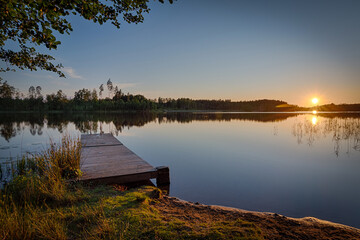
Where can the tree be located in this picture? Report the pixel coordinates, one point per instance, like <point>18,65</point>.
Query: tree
<point>117,94</point>
<point>94,96</point>
<point>56,101</point>
<point>37,22</point>
<point>101,89</point>
<point>17,94</point>
<point>110,86</point>
<point>31,92</point>
<point>6,91</point>
<point>38,92</point>
<point>82,95</point>
<point>61,96</point>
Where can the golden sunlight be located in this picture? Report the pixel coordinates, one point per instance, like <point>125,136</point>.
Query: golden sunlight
<point>314,112</point>
<point>315,100</point>
<point>314,120</point>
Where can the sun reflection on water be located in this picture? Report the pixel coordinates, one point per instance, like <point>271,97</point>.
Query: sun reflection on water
<point>314,120</point>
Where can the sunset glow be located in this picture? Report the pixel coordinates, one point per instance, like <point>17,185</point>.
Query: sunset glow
<point>314,112</point>
<point>314,100</point>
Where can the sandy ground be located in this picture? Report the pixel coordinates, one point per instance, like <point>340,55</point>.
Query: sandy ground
<point>272,225</point>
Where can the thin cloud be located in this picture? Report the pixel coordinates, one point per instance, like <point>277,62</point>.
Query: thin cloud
<point>71,73</point>
<point>49,76</point>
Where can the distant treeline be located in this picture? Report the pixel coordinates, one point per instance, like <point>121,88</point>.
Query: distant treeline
<point>340,107</point>
<point>93,100</point>
<point>83,100</point>
<point>263,105</point>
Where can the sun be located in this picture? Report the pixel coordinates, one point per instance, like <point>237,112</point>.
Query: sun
<point>314,100</point>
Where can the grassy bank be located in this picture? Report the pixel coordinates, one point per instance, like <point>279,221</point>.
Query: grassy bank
<point>104,212</point>
<point>42,201</point>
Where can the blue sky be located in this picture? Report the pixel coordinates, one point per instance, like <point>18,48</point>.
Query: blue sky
<point>240,50</point>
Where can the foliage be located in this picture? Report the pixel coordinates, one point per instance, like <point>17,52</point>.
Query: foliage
<point>56,101</point>
<point>83,95</point>
<point>31,23</point>
<point>6,91</point>
<point>110,86</point>
<point>101,89</point>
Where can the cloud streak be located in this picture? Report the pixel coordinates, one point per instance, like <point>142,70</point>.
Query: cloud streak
<point>71,73</point>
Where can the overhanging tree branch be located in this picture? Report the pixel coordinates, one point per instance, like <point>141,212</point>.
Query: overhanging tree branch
<point>34,21</point>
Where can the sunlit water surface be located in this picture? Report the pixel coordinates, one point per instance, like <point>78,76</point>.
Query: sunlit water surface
<point>292,164</point>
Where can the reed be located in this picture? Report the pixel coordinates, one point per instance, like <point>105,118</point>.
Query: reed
<point>41,177</point>
<point>38,183</point>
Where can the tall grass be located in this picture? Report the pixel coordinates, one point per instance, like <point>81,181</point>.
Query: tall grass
<point>42,176</point>
<point>60,160</point>
<point>29,222</point>
<point>37,181</point>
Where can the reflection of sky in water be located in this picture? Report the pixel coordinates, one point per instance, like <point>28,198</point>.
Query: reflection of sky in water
<point>30,141</point>
<point>296,167</point>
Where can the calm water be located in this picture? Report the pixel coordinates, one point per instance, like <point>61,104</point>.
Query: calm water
<point>293,164</point>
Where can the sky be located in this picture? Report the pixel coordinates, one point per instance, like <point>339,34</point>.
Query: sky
<point>209,49</point>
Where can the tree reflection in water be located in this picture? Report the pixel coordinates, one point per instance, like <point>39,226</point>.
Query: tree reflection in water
<point>92,122</point>
<point>343,129</point>
<point>8,130</point>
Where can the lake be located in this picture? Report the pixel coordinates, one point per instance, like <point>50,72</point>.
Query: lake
<point>295,164</point>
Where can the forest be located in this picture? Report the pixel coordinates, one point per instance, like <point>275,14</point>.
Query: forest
<point>11,99</point>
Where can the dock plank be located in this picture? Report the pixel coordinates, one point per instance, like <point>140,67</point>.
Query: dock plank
<point>106,159</point>
<point>95,140</point>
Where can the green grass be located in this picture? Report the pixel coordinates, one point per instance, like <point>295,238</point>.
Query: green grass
<point>103,213</point>
<point>40,203</point>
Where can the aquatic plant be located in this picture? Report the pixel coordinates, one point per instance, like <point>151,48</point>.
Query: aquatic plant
<point>42,176</point>
<point>342,130</point>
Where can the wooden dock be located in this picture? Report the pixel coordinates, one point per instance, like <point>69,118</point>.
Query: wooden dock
<point>105,159</point>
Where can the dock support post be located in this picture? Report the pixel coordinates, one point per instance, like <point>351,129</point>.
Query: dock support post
<point>163,176</point>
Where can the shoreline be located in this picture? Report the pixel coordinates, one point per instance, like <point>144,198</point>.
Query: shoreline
<point>227,208</point>
<point>272,225</point>
<point>168,111</point>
